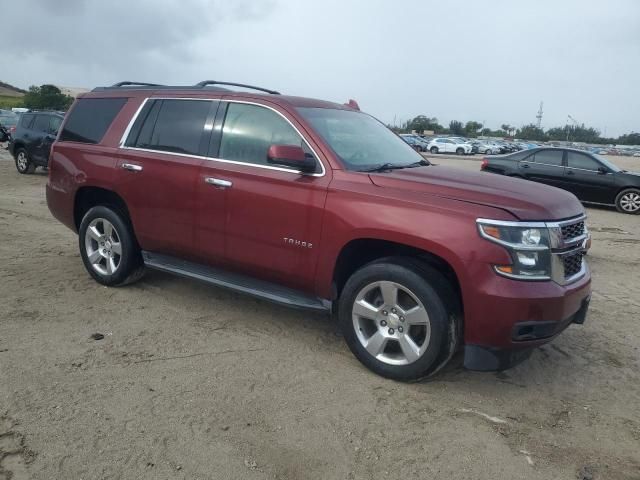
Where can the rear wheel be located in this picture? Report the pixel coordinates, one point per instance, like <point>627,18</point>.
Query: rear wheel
<point>108,248</point>
<point>628,201</point>
<point>460,151</point>
<point>23,162</point>
<point>395,316</point>
<point>434,150</point>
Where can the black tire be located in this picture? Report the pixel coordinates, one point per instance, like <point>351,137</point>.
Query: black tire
<point>434,150</point>
<point>436,295</point>
<point>130,267</point>
<point>24,165</point>
<point>459,151</point>
<point>628,201</point>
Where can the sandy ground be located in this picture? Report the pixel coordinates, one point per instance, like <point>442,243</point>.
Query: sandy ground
<point>193,382</point>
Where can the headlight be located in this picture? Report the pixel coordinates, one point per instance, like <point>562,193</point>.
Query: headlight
<point>528,245</point>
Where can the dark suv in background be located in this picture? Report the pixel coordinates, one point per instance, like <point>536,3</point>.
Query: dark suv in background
<point>33,138</point>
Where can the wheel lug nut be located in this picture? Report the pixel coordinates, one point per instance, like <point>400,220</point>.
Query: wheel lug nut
<point>383,323</point>
<point>391,331</point>
<point>393,310</point>
<point>402,319</point>
<point>385,313</point>
<point>400,329</point>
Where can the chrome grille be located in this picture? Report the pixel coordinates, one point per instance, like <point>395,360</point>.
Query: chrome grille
<point>572,264</point>
<point>572,230</point>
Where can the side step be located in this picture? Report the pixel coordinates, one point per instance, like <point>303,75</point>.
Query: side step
<point>234,281</point>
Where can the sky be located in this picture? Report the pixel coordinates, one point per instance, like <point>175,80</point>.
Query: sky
<point>491,61</point>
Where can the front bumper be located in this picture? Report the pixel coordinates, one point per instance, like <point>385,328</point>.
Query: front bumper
<point>526,336</point>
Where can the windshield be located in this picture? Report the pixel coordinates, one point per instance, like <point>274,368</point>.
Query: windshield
<point>607,163</point>
<point>358,139</point>
<point>8,120</point>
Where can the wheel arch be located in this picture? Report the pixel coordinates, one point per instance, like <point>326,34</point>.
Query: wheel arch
<point>87,197</point>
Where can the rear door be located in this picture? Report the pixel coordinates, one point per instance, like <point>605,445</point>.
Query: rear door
<point>39,130</point>
<point>544,166</point>
<point>158,169</point>
<point>273,214</point>
<point>47,126</point>
<point>585,181</point>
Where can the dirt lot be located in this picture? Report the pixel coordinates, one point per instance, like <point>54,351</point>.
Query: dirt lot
<point>193,382</point>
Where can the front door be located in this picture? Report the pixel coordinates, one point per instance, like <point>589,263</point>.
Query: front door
<point>273,214</point>
<point>586,181</point>
<point>158,170</point>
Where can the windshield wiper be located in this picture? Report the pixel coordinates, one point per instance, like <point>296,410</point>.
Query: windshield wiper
<point>392,166</point>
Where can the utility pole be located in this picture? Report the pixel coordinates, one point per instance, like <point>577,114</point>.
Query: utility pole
<point>539,115</point>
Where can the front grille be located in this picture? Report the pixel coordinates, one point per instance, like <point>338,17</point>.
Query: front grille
<point>572,264</point>
<point>572,231</point>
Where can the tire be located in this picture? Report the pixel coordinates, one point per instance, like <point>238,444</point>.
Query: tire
<point>628,201</point>
<point>365,317</point>
<point>459,151</point>
<point>434,150</point>
<point>112,259</point>
<point>24,165</point>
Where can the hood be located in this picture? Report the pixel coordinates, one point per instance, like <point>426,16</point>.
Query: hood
<point>524,199</point>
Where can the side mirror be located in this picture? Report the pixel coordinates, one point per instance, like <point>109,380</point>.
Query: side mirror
<point>291,156</point>
<point>602,171</point>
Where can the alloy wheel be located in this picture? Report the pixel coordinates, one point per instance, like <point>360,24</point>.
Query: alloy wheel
<point>103,247</point>
<point>391,323</point>
<point>630,202</point>
<point>22,161</point>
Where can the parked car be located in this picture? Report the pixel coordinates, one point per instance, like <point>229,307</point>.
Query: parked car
<point>487,147</point>
<point>319,206</point>
<point>33,138</point>
<point>590,177</point>
<point>449,145</point>
<point>415,142</point>
<point>9,120</point>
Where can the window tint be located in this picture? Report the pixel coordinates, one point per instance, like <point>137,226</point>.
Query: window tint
<point>26,121</point>
<point>54,124</point>
<point>172,126</point>
<point>41,124</point>
<point>579,160</point>
<point>249,131</point>
<point>549,157</point>
<point>90,118</point>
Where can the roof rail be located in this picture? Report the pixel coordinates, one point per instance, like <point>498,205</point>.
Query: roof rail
<point>126,84</point>
<point>206,83</point>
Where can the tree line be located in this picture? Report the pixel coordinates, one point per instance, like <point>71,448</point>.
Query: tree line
<point>44,97</point>
<point>571,133</point>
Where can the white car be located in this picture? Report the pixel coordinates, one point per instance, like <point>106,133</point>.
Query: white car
<point>488,148</point>
<point>449,145</point>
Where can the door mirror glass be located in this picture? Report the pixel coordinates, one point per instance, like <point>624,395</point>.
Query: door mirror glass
<point>291,156</point>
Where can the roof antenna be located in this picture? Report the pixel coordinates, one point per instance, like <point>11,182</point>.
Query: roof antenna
<point>353,104</point>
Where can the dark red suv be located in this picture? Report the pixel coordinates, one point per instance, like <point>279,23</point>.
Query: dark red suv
<point>317,205</point>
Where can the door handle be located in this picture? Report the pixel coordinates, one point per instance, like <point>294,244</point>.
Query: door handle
<point>132,167</point>
<point>525,165</point>
<point>218,182</point>
<point>570,172</point>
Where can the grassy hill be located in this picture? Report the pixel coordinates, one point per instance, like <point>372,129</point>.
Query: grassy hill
<point>10,96</point>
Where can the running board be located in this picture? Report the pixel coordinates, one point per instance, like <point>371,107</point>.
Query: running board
<point>234,281</point>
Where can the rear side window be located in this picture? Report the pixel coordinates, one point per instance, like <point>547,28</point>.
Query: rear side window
<point>172,126</point>
<point>26,121</point>
<point>41,124</point>
<point>548,157</point>
<point>90,119</point>
<point>54,124</point>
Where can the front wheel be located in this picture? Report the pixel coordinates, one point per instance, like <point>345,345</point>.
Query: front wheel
<point>108,248</point>
<point>434,150</point>
<point>396,317</point>
<point>628,201</point>
<point>460,151</point>
<point>24,164</point>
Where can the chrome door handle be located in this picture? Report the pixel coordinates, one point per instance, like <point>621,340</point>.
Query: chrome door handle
<point>132,167</point>
<point>218,182</point>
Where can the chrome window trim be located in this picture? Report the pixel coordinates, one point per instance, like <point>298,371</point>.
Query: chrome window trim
<point>588,170</point>
<point>127,131</point>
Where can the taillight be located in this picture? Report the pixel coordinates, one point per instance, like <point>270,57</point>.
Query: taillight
<point>484,164</point>
<point>12,129</point>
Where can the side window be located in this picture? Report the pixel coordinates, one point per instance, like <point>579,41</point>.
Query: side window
<point>41,123</point>
<point>90,118</point>
<point>579,160</point>
<point>54,125</point>
<point>549,157</point>
<point>249,131</point>
<point>172,126</point>
<point>26,120</point>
